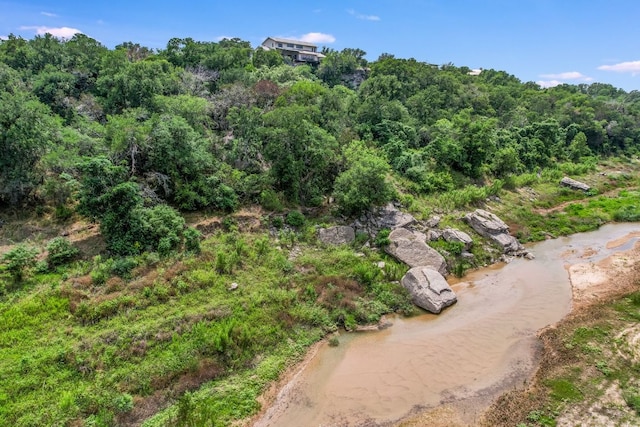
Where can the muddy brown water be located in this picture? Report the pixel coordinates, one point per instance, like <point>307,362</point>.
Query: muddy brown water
<point>465,357</point>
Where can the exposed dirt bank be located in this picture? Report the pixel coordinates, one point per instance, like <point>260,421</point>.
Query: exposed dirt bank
<point>596,285</point>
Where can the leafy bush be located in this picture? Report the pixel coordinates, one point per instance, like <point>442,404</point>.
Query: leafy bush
<point>163,228</point>
<point>19,260</point>
<point>627,214</point>
<point>270,201</point>
<point>122,267</point>
<point>60,251</point>
<point>277,222</point>
<point>192,239</point>
<point>295,219</point>
<point>123,403</point>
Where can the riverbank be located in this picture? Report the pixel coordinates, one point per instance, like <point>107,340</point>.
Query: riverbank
<point>596,276</point>
<point>588,371</point>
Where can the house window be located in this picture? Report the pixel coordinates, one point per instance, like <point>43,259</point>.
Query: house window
<point>299,47</point>
<point>289,45</point>
<point>279,44</point>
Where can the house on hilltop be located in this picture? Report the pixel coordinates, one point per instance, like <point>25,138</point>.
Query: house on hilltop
<point>298,51</point>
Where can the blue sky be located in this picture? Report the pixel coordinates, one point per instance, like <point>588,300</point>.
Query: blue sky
<point>547,41</point>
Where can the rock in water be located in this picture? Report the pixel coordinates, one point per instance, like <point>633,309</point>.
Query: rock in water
<point>573,184</point>
<point>338,235</point>
<point>492,227</point>
<point>428,289</point>
<point>411,248</point>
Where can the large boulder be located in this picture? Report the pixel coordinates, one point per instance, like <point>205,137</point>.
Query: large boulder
<point>391,217</point>
<point>428,289</point>
<point>573,184</point>
<point>453,235</point>
<point>385,217</point>
<point>492,227</point>
<point>411,248</point>
<point>338,235</point>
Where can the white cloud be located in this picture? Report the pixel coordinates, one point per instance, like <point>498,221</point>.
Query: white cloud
<point>362,16</point>
<point>318,38</point>
<point>549,83</point>
<point>4,38</point>
<point>632,67</point>
<point>49,14</point>
<point>570,75</point>
<point>61,32</point>
<point>552,80</point>
<point>220,38</point>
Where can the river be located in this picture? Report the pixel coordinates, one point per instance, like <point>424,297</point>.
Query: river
<point>466,356</point>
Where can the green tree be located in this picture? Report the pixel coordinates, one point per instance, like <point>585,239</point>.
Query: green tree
<point>27,132</point>
<point>302,154</point>
<point>124,85</point>
<point>578,148</point>
<point>266,58</point>
<point>364,183</point>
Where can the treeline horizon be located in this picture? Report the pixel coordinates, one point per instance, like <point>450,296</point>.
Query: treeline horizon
<point>123,135</point>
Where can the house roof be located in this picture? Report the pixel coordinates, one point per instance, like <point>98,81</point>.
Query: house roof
<point>290,41</point>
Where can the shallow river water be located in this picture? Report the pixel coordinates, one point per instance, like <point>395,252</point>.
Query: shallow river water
<point>467,355</point>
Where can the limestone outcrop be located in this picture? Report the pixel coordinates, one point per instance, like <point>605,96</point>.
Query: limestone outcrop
<point>429,289</point>
<point>388,216</point>
<point>410,247</point>
<point>574,185</point>
<point>338,235</point>
<point>490,226</point>
<point>453,235</point>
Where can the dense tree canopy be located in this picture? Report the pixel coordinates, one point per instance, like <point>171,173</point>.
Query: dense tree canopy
<point>214,124</point>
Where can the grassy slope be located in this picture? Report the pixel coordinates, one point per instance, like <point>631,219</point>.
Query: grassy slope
<point>75,350</point>
<point>82,346</point>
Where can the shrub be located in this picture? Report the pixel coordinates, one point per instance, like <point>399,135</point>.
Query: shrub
<point>192,240</point>
<point>627,214</point>
<point>270,201</point>
<point>122,267</point>
<point>382,238</point>
<point>295,219</point>
<point>277,222</point>
<point>19,260</point>
<point>223,263</point>
<point>123,403</point>
<point>61,251</point>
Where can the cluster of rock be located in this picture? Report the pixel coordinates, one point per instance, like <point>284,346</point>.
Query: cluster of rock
<point>410,247</point>
<point>408,244</point>
<point>490,226</point>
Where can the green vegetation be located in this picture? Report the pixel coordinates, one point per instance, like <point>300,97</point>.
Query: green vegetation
<point>588,355</point>
<point>149,324</point>
<point>178,302</point>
